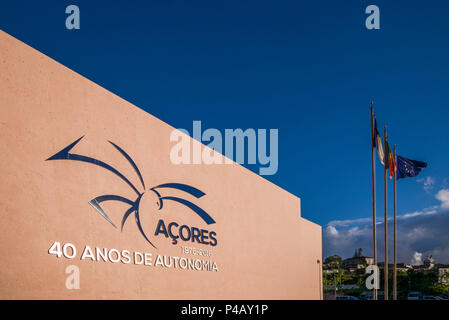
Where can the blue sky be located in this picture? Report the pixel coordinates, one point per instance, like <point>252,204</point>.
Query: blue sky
<point>307,68</point>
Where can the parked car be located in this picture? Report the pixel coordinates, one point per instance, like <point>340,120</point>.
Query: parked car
<point>430,298</point>
<point>346,298</point>
<point>414,295</point>
<point>368,295</point>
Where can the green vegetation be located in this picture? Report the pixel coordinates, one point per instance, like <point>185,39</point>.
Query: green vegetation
<point>353,282</point>
<point>333,261</point>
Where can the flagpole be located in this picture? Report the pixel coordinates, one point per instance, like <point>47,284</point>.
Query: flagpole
<point>395,289</point>
<point>373,177</point>
<point>385,219</point>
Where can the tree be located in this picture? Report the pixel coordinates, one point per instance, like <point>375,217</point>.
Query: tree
<point>334,261</point>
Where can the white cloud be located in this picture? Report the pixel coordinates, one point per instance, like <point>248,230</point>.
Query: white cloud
<point>349,222</point>
<point>425,212</point>
<point>355,231</point>
<point>415,234</point>
<point>428,183</point>
<point>331,231</point>
<point>443,196</point>
<point>425,232</point>
<point>417,259</point>
<point>363,221</point>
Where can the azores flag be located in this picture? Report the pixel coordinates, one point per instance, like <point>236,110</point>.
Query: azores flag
<point>377,142</point>
<point>409,168</point>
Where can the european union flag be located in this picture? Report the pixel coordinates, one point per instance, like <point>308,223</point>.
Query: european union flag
<point>408,167</point>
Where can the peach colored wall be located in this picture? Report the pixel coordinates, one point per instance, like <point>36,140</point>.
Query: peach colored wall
<point>265,249</point>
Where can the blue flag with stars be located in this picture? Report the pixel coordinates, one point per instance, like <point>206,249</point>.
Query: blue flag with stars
<point>409,168</point>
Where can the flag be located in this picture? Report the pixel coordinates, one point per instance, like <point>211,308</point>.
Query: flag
<point>377,142</point>
<point>408,167</point>
<point>390,158</point>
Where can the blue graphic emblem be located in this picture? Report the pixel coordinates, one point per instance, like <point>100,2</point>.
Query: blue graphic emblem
<point>65,154</point>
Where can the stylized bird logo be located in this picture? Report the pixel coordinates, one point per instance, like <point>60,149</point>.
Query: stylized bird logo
<point>65,154</point>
